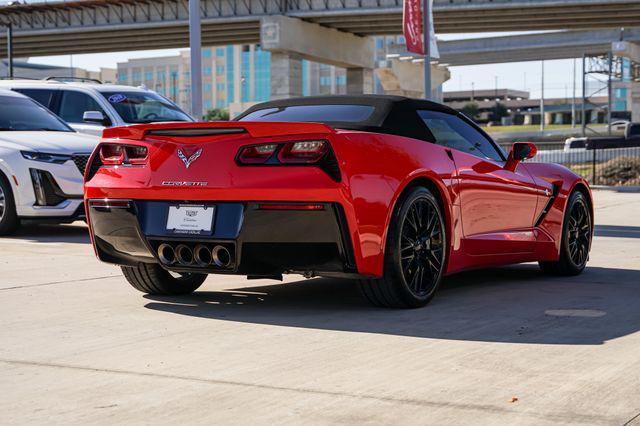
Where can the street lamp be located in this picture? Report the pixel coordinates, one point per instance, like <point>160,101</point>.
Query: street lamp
<point>9,46</point>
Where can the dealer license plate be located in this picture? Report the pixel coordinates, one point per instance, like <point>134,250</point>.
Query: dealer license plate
<point>191,219</point>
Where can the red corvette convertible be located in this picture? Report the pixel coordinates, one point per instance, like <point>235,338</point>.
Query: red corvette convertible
<point>391,191</point>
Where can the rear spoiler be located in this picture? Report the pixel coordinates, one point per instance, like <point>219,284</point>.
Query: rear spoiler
<point>256,129</point>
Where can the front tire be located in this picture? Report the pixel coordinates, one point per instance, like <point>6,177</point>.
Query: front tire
<point>8,217</point>
<point>151,278</point>
<point>415,255</point>
<point>577,232</point>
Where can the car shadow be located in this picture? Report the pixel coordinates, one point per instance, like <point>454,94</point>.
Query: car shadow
<point>617,231</point>
<point>514,304</point>
<point>76,233</point>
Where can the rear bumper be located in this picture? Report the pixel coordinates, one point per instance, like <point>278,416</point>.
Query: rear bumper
<point>261,241</point>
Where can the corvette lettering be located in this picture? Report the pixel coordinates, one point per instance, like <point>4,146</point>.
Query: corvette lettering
<point>183,183</point>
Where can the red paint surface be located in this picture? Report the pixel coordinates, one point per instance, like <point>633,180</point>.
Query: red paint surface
<point>490,211</point>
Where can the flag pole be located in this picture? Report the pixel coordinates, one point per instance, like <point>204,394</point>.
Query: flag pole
<point>426,46</point>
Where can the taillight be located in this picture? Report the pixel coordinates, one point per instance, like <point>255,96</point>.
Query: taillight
<point>136,154</point>
<point>112,155</point>
<point>300,152</point>
<point>317,153</point>
<point>257,154</point>
<point>304,152</point>
<point>117,155</point>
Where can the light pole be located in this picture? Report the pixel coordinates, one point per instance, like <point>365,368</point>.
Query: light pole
<point>573,96</point>
<point>426,45</point>
<point>542,98</point>
<point>196,59</point>
<point>9,48</point>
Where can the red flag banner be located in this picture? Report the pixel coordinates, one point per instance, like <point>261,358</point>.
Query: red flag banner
<point>412,26</point>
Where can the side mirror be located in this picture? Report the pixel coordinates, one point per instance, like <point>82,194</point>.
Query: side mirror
<point>94,117</point>
<point>520,151</point>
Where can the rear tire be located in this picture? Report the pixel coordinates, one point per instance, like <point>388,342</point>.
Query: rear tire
<point>9,221</point>
<point>415,254</point>
<point>577,231</point>
<point>151,278</point>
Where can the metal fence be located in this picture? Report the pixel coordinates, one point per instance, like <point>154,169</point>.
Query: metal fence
<point>608,166</point>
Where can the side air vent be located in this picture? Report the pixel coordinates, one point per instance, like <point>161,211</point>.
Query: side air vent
<point>201,131</point>
<point>547,207</point>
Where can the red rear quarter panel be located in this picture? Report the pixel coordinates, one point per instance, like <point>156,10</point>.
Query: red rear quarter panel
<point>376,170</point>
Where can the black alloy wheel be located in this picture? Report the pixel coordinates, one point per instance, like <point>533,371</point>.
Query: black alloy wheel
<point>577,232</point>
<point>421,247</point>
<point>415,254</point>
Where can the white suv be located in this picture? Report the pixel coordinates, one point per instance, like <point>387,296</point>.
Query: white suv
<point>42,163</point>
<point>89,107</point>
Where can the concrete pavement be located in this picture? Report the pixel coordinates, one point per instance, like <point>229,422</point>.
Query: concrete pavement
<point>509,345</point>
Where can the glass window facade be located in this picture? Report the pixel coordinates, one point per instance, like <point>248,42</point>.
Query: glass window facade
<point>261,75</point>
<point>245,75</point>
<point>230,82</point>
<point>224,68</point>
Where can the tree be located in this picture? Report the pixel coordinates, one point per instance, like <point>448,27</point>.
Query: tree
<point>499,111</point>
<point>471,110</point>
<point>217,114</point>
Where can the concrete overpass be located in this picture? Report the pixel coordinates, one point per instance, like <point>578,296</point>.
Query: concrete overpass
<point>93,26</point>
<point>532,47</point>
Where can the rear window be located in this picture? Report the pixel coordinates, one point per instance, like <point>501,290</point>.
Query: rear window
<point>144,107</point>
<point>20,114</point>
<point>42,96</point>
<point>313,113</point>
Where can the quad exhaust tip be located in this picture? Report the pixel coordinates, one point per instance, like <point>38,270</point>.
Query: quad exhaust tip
<point>166,254</point>
<point>201,255</point>
<point>221,256</point>
<point>184,255</point>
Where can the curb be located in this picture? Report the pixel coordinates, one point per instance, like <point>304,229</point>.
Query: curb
<point>616,188</point>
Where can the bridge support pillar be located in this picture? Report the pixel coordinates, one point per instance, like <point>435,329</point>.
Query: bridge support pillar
<point>286,75</point>
<point>359,81</point>
<point>296,39</point>
<point>635,102</point>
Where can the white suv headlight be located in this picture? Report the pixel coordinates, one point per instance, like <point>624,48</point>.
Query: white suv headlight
<point>46,158</point>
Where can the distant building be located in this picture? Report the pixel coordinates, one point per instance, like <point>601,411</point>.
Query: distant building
<point>237,76</point>
<point>523,110</point>
<point>30,70</point>
<point>234,77</point>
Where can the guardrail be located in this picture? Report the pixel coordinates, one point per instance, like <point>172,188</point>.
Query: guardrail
<point>599,166</point>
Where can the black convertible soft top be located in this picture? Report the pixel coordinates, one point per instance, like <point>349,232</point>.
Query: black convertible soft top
<point>391,114</point>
